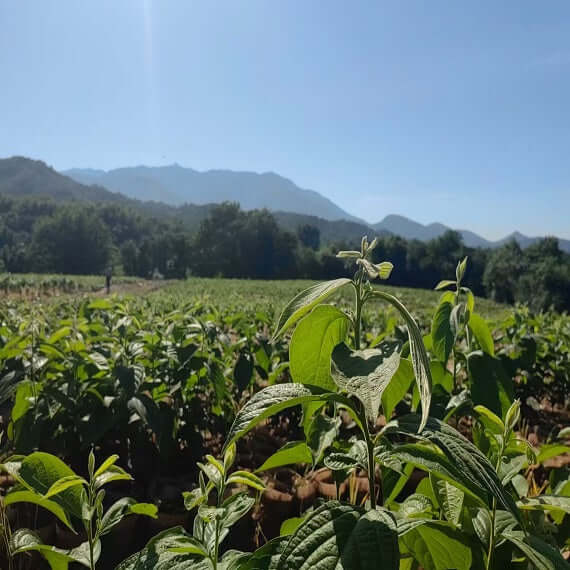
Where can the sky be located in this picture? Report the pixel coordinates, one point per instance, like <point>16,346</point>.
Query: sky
<point>456,112</point>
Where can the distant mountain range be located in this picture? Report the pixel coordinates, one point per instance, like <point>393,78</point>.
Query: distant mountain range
<point>402,226</point>
<point>176,185</point>
<point>188,195</point>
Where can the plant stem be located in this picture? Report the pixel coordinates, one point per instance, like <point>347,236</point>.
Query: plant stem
<point>491,536</point>
<point>358,311</point>
<point>454,371</point>
<point>494,511</point>
<point>371,471</point>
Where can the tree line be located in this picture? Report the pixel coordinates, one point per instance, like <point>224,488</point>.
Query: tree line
<point>38,236</point>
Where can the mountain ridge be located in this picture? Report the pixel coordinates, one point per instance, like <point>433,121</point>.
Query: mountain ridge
<point>20,176</point>
<point>176,185</point>
<point>410,229</point>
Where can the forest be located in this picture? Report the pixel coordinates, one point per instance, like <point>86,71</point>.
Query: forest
<point>42,236</point>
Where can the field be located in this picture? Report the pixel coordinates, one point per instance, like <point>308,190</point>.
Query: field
<point>186,390</point>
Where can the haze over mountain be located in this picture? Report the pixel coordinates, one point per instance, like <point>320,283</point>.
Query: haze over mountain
<point>177,185</point>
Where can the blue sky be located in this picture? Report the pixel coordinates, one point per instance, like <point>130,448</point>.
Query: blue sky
<point>457,112</point>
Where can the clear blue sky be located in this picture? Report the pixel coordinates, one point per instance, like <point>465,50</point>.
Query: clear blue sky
<point>448,111</point>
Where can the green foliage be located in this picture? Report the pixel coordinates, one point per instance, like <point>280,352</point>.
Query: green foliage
<point>50,484</point>
<point>153,375</point>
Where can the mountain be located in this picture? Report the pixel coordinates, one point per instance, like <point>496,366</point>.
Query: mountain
<point>23,177</point>
<point>330,231</point>
<point>176,185</point>
<point>409,229</point>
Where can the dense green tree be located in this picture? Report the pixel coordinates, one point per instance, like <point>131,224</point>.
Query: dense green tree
<point>73,241</point>
<point>309,236</point>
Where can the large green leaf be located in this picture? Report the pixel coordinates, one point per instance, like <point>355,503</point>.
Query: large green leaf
<point>462,455</point>
<point>302,303</point>
<point>545,503</point>
<point>312,344</point>
<point>420,360</point>
<point>39,471</point>
<point>541,555</point>
<point>31,497</point>
<point>364,374</point>
<point>161,553</point>
<point>397,387</point>
<point>291,453</point>
<point>491,386</point>
<point>320,435</point>
<point>449,497</point>
<point>441,333</point>
<point>24,540</point>
<point>267,556</point>
<point>273,399</point>
<point>482,333</point>
<point>337,537</point>
<point>434,461</point>
<point>438,546</point>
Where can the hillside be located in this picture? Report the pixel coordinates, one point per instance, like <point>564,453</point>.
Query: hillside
<point>22,177</point>
<point>409,229</point>
<point>176,185</point>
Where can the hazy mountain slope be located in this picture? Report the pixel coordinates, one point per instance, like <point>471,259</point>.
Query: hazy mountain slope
<point>330,231</point>
<point>409,229</point>
<point>23,177</point>
<point>176,185</point>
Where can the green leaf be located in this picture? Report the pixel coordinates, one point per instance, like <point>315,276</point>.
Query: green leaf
<point>490,420</point>
<point>545,503</point>
<point>111,460</point>
<point>24,540</point>
<point>273,399</point>
<point>416,506</point>
<point>491,386</point>
<point>302,303</point>
<point>443,284</point>
<point>320,435</point>
<point>243,371</point>
<point>112,473</point>
<point>441,333</point>
<point>291,453</point>
<point>439,546</point>
<point>398,387</point>
<point>115,514</point>
<point>248,479</point>
<point>384,269</point>
<point>31,497</point>
<point>194,498</point>
<point>549,451</point>
<point>233,508</point>
<point>540,554</point>
<point>266,557</point>
<point>337,537</point>
<point>63,484</point>
<point>470,300</point>
<point>450,499</point>
<point>482,333</point>
<point>312,344</point>
<point>289,526</point>
<point>39,471</point>
<point>144,509</point>
<point>357,456</point>
<point>469,465</point>
<point>364,374</point>
<point>420,360</point>
<point>160,554</point>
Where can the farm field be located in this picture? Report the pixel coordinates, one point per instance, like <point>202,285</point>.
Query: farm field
<point>227,437</point>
